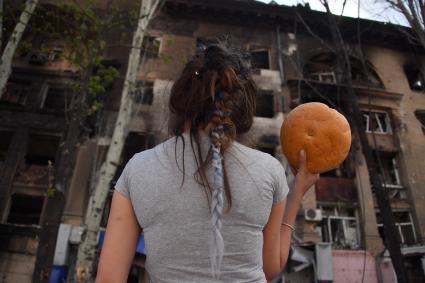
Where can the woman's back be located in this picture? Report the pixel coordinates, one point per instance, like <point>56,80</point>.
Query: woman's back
<point>176,219</point>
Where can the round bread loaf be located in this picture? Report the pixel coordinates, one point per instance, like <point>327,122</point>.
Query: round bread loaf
<point>322,132</point>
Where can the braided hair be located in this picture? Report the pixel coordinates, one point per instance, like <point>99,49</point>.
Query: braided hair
<point>216,93</point>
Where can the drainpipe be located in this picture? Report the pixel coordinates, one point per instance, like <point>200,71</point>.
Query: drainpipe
<point>378,262</point>
<point>280,59</point>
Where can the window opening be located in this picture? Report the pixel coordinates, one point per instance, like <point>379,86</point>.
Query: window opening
<point>41,149</point>
<point>322,68</point>
<point>25,209</point>
<point>324,77</point>
<point>16,92</point>
<point>377,122</point>
<point>151,46</point>
<point>56,99</point>
<point>420,115</point>
<point>404,225</point>
<point>389,172</point>
<point>340,227</point>
<point>144,92</point>
<point>265,105</point>
<point>415,78</point>
<point>260,58</point>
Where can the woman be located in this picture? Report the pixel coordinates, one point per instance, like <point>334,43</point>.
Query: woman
<point>211,209</point>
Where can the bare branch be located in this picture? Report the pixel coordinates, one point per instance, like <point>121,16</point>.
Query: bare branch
<point>312,33</point>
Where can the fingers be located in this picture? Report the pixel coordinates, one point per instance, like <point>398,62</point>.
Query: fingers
<point>302,160</point>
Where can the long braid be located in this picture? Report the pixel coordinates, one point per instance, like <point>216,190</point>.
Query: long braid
<point>218,139</point>
<point>217,243</point>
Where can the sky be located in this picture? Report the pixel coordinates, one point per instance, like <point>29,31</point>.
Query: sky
<point>369,9</point>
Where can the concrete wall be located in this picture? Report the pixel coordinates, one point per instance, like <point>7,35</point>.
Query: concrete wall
<point>16,267</point>
<point>389,64</point>
<point>359,266</point>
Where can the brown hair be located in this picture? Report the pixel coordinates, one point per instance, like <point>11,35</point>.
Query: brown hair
<point>217,70</point>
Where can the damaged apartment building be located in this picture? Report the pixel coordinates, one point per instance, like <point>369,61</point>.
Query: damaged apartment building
<point>339,229</point>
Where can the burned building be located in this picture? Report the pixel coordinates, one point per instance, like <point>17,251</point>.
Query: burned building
<point>294,62</point>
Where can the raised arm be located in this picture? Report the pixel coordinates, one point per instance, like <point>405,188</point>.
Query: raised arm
<point>277,237</point>
<point>120,242</point>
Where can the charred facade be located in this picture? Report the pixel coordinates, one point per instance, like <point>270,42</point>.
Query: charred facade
<point>294,62</point>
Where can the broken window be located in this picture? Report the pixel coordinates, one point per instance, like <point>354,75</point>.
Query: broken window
<point>388,169</point>
<point>56,99</point>
<point>144,92</point>
<point>41,149</point>
<point>16,92</point>
<point>377,122</point>
<point>420,115</point>
<point>265,104</point>
<point>260,58</point>
<point>414,77</point>
<point>364,74</point>
<point>5,139</point>
<point>404,225</point>
<point>340,227</point>
<point>323,67</point>
<point>150,47</point>
<point>25,209</point>
<point>324,77</point>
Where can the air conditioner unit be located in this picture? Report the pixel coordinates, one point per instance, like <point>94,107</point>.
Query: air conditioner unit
<point>313,214</point>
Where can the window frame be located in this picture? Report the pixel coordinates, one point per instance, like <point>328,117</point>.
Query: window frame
<point>66,94</point>
<point>319,76</point>
<point>145,52</point>
<point>327,219</point>
<point>35,190</point>
<point>399,229</point>
<point>394,167</point>
<point>261,49</point>
<point>381,129</point>
<point>140,91</point>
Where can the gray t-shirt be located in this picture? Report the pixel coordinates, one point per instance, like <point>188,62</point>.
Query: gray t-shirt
<point>176,219</point>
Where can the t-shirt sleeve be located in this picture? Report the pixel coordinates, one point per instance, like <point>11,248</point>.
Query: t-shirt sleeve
<point>123,184</point>
<point>281,188</point>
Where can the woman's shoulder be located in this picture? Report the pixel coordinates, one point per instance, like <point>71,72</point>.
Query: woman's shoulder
<point>154,154</point>
<point>253,156</point>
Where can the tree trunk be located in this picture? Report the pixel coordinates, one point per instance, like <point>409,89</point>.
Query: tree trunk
<point>87,249</point>
<point>9,50</point>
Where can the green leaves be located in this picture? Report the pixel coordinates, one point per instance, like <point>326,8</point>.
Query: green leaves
<point>99,84</point>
